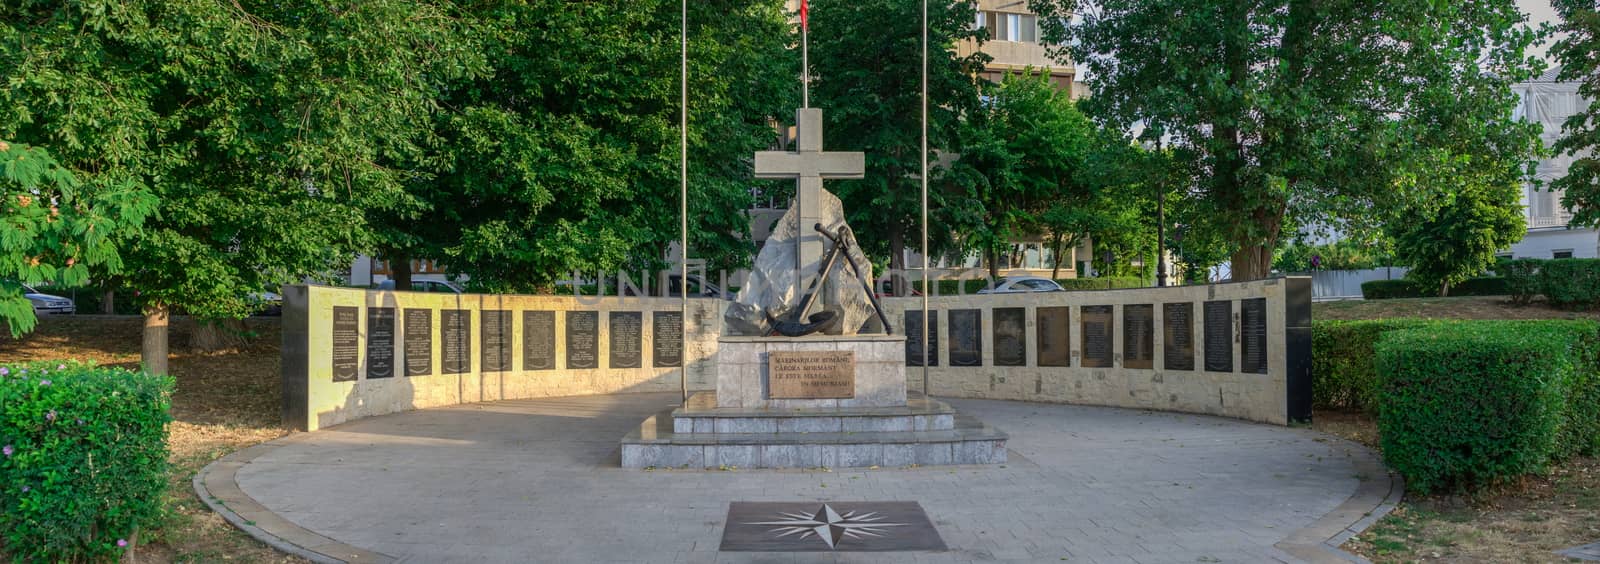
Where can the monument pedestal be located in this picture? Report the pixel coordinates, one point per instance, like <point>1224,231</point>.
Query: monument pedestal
<point>792,403</point>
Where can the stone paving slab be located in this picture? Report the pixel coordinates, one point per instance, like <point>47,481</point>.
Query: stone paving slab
<point>1585,552</point>
<point>538,480</point>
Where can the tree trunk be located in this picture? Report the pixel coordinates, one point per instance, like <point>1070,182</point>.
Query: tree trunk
<point>1055,256</point>
<point>992,257</point>
<point>1444,291</point>
<point>153,351</point>
<point>108,304</point>
<point>212,335</point>
<point>1253,261</point>
<point>400,271</point>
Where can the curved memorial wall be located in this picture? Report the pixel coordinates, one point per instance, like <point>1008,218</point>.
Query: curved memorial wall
<point>1235,350</point>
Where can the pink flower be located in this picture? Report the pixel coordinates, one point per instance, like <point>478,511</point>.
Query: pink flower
<point>61,367</point>
<point>44,382</point>
<point>7,451</point>
<point>26,489</point>
<point>5,371</point>
<point>50,416</point>
<point>122,542</point>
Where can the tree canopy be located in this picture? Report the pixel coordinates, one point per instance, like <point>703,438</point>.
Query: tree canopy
<point>1581,132</point>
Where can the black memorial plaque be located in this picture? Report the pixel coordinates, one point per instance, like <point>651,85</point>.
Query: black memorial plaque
<point>346,343</point>
<point>1138,336</point>
<point>1054,326</point>
<point>1096,334</point>
<point>1219,336</point>
<point>418,344</point>
<point>913,325</point>
<point>627,338</point>
<point>380,342</point>
<point>455,332</point>
<point>1177,326</point>
<point>1010,336</point>
<point>583,339</point>
<point>666,339</point>
<point>538,340</point>
<point>1253,336</point>
<point>494,345</point>
<point>966,337</point>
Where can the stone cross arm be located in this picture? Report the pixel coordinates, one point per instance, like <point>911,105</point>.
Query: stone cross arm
<point>810,164</point>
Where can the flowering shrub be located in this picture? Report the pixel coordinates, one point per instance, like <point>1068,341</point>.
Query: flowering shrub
<point>83,458</point>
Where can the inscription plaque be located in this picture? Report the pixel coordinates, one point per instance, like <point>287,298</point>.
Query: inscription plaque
<point>538,340</point>
<point>1253,336</point>
<point>494,345</point>
<point>346,343</point>
<point>811,374</point>
<point>627,336</point>
<point>1096,334</point>
<point>1010,336</point>
<point>1054,336</point>
<point>1177,326</point>
<point>966,337</point>
<point>583,339</point>
<point>666,339</point>
<point>455,330</point>
<point>1219,336</point>
<point>1138,336</point>
<point>380,342</point>
<point>418,345</point>
<point>913,325</point>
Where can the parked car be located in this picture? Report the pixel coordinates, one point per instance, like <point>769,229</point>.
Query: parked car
<point>705,289</point>
<point>885,289</point>
<point>47,304</point>
<point>1023,284</point>
<point>434,286</point>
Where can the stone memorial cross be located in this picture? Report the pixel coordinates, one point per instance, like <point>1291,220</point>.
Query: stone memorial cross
<point>809,165</point>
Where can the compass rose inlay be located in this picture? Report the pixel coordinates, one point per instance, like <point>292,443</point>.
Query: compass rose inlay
<point>830,526</point>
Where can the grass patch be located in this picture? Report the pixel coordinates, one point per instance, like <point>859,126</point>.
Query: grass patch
<point>224,401</point>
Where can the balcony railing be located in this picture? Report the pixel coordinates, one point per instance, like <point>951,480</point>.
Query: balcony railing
<point>1559,219</point>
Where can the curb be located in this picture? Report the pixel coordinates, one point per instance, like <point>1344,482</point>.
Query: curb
<point>218,489</point>
<point>1319,542</point>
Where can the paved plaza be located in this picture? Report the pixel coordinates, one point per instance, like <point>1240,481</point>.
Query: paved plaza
<point>538,481</point>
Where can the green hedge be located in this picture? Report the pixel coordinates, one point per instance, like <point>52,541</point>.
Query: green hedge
<point>1344,370</point>
<point>1469,403</point>
<point>954,287</point>
<point>84,463</point>
<point>1571,283</point>
<point>1522,279</point>
<point>1389,289</point>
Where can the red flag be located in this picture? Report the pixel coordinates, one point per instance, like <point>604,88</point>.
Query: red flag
<point>803,16</point>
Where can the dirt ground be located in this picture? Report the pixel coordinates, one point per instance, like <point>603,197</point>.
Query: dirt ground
<point>224,401</point>
<point>1522,522</point>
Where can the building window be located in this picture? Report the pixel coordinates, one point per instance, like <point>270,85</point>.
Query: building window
<point>1008,27</point>
<point>1562,254</point>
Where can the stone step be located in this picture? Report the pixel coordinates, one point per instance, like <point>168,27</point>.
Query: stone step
<point>655,445</point>
<point>700,415</point>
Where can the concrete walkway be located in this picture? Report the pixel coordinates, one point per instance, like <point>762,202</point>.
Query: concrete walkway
<point>538,481</point>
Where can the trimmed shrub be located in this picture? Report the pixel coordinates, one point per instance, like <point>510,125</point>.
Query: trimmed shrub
<point>84,465</point>
<point>1109,282</point>
<point>1344,371</point>
<point>1391,289</point>
<point>1522,279</point>
<point>1479,402</point>
<point>1571,283</point>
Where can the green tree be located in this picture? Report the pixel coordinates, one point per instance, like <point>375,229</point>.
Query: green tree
<point>1459,238</point>
<point>1576,52</point>
<point>55,229</point>
<point>565,158</point>
<point>1284,109</point>
<point>866,58</point>
<point>1022,154</point>
<point>265,128</point>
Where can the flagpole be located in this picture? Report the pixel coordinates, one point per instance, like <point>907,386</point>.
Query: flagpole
<point>683,198</point>
<point>805,57</point>
<point>926,286</point>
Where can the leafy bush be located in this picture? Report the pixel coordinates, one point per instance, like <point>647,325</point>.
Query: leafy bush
<point>1571,283</point>
<point>84,463</point>
<point>1110,282</point>
<point>1480,402</point>
<point>1522,279</point>
<point>1344,370</point>
<point>1390,289</point>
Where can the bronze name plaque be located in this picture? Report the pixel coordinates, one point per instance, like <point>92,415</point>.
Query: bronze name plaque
<point>811,374</point>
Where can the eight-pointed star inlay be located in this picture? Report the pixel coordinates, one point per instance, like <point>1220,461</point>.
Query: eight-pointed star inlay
<point>829,526</point>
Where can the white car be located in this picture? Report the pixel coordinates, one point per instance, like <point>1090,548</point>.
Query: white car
<point>434,286</point>
<point>46,304</point>
<point>1022,284</point>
